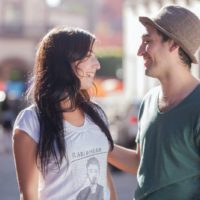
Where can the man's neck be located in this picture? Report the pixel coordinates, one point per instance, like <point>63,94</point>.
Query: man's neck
<point>174,89</point>
<point>176,85</point>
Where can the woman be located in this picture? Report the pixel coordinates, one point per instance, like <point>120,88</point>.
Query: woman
<point>62,128</point>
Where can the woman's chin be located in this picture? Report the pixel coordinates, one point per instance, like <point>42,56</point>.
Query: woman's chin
<point>86,87</point>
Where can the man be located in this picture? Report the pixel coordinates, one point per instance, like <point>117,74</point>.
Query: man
<point>94,191</point>
<point>167,159</point>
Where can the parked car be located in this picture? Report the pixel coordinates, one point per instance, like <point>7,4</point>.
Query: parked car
<point>124,127</point>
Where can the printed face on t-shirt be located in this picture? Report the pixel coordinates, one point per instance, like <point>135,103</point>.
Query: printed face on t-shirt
<point>93,173</point>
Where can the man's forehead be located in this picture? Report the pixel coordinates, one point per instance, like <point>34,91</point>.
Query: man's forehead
<point>145,35</point>
<point>148,31</point>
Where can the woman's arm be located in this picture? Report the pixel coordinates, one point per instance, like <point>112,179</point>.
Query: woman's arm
<point>24,149</point>
<point>125,159</point>
<point>113,195</point>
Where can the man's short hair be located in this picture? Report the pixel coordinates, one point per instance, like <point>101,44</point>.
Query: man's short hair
<point>183,56</point>
<point>93,161</point>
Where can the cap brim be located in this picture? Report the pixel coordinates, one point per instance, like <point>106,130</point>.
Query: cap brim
<point>147,20</point>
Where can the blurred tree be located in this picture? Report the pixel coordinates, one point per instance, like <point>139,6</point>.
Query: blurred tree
<point>111,63</point>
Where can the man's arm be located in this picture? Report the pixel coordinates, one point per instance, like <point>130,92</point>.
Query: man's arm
<point>125,159</point>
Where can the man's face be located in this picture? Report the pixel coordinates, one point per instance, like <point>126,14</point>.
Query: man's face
<point>154,52</point>
<point>93,173</point>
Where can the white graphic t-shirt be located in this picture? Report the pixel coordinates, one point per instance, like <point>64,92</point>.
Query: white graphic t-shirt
<point>83,176</point>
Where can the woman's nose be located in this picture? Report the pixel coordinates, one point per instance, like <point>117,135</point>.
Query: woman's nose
<point>96,63</point>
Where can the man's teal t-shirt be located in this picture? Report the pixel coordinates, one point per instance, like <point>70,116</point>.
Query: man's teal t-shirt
<point>170,149</point>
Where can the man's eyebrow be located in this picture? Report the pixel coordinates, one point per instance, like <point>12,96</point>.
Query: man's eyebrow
<point>145,36</point>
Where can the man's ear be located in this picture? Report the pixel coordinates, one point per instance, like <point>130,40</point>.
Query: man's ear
<point>173,45</point>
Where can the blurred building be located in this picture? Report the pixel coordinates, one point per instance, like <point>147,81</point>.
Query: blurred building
<point>136,84</point>
<point>24,22</point>
<point>109,27</point>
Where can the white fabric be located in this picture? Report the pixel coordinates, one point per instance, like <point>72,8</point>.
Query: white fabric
<point>82,143</point>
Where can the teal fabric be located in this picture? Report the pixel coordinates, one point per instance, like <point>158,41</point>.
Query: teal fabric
<point>170,149</point>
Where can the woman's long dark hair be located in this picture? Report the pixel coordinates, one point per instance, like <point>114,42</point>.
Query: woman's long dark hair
<point>54,80</point>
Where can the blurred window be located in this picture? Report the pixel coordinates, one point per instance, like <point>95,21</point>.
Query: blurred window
<point>70,6</point>
<point>12,16</point>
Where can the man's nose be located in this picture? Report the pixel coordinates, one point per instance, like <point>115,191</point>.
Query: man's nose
<point>141,50</point>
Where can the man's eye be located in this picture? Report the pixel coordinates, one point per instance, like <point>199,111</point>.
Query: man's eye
<point>147,42</point>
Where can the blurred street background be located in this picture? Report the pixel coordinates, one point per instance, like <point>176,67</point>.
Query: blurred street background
<point>121,83</point>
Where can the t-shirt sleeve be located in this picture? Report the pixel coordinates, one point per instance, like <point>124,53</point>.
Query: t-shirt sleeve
<point>141,109</point>
<point>137,139</point>
<point>27,121</point>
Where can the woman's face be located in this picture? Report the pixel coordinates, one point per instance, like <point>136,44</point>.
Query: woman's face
<point>86,70</point>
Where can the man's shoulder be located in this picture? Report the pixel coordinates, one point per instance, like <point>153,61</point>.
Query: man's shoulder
<point>154,90</point>
<point>152,93</point>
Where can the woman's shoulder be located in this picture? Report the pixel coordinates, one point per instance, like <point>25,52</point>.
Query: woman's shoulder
<point>27,121</point>
<point>98,108</point>
<point>30,110</point>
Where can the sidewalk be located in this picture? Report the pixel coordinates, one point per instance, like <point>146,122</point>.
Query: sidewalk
<point>8,182</point>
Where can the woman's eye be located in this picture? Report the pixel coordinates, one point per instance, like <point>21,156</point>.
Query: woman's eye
<point>91,54</point>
